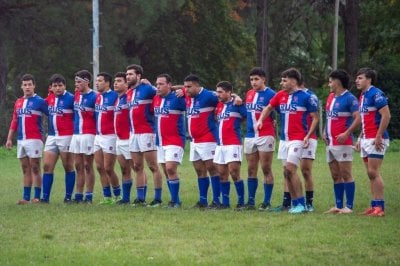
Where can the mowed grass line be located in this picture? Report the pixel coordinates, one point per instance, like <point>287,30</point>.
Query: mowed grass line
<point>58,234</point>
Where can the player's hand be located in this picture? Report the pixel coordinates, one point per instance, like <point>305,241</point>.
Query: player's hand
<point>259,124</point>
<point>357,147</point>
<point>341,138</point>
<point>179,93</point>
<point>378,142</point>
<point>145,81</point>
<point>9,144</point>
<point>237,100</point>
<point>306,142</point>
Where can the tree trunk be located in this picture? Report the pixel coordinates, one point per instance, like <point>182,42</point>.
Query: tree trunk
<point>261,35</point>
<point>3,72</point>
<point>350,13</point>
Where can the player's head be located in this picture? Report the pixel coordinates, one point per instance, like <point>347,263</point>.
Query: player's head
<point>290,79</point>
<point>339,79</point>
<point>120,84</point>
<point>28,85</point>
<point>103,81</point>
<point>134,74</point>
<point>163,84</point>
<point>224,91</point>
<point>192,85</point>
<point>365,77</point>
<point>257,78</point>
<point>57,84</point>
<point>82,80</point>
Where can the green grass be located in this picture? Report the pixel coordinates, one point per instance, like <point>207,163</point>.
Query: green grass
<point>58,234</point>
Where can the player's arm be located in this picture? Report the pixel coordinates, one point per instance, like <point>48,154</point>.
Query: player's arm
<point>313,127</point>
<point>385,119</point>
<point>265,113</point>
<point>11,131</point>
<point>237,100</point>
<point>342,137</point>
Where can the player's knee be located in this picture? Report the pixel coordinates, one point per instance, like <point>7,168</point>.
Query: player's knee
<point>287,173</point>
<point>372,173</point>
<point>48,168</point>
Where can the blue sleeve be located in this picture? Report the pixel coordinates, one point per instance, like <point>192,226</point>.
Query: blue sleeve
<point>312,104</point>
<point>353,103</point>
<point>380,100</point>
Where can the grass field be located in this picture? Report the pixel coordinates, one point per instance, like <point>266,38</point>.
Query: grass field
<point>58,234</point>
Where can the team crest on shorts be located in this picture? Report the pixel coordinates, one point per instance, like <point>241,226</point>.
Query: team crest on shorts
<point>36,152</point>
<point>344,155</point>
<point>148,144</point>
<point>296,149</point>
<point>89,148</point>
<point>110,148</point>
<point>270,145</point>
<point>309,153</point>
<point>175,155</point>
<point>235,155</point>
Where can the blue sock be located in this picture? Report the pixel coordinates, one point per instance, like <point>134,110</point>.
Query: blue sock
<point>27,193</point>
<point>338,188</point>
<point>140,193</point>
<point>69,184</point>
<point>216,188</point>
<point>225,189</point>
<point>117,191</point>
<point>126,190</point>
<point>145,192</point>
<point>373,203</point>
<point>286,202</point>
<point>107,192</point>
<point>78,197</point>
<point>174,190</point>
<point>37,190</point>
<point>47,182</point>
<point>295,202</point>
<point>252,184</point>
<point>89,196</point>
<point>349,189</point>
<point>239,185</point>
<point>157,194</point>
<point>169,188</point>
<point>203,183</point>
<point>301,201</point>
<point>380,203</point>
<point>268,193</point>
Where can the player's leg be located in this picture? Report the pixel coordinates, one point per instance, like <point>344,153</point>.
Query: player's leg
<point>234,171</point>
<point>89,177</point>
<point>80,176</point>
<point>50,158</point>
<point>306,165</point>
<point>126,172</point>
<point>223,172</point>
<point>173,179</point>
<point>152,163</point>
<point>105,184</point>
<point>349,185</point>
<point>252,180</point>
<point>377,185</point>
<point>215,182</point>
<point>27,180</point>
<point>338,186</point>
<point>266,167</point>
<point>36,178</point>
<point>109,166</point>
<point>67,160</point>
<point>138,168</point>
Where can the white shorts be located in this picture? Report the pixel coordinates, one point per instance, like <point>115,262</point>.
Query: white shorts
<point>106,143</point>
<point>122,148</point>
<point>31,148</point>
<point>57,144</point>
<point>82,144</point>
<point>228,153</point>
<point>309,152</point>
<point>169,153</point>
<point>264,144</point>
<point>340,153</point>
<point>368,148</point>
<point>142,142</point>
<point>202,151</point>
<point>290,151</point>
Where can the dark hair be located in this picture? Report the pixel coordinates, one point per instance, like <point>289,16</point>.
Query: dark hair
<point>120,75</point>
<point>258,71</point>
<point>225,85</point>
<point>193,78</point>
<point>138,69</point>
<point>292,73</point>
<point>27,77</point>
<point>84,74</point>
<point>342,76</point>
<point>167,77</point>
<point>57,78</point>
<point>107,77</point>
<point>369,74</point>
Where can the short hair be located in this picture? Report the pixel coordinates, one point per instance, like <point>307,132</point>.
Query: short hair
<point>107,77</point>
<point>57,78</point>
<point>369,74</point>
<point>342,76</point>
<point>258,71</point>
<point>225,85</point>
<point>138,69</point>
<point>292,73</point>
<point>193,78</point>
<point>167,77</point>
<point>120,75</point>
<point>27,77</point>
<point>85,75</point>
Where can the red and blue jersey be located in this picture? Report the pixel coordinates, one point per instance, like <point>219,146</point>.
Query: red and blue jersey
<point>170,120</point>
<point>293,110</point>
<point>61,114</point>
<point>230,117</point>
<point>255,103</point>
<point>371,101</point>
<point>309,118</point>
<point>140,113</point>
<point>121,118</point>
<point>339,112</point>
<point>104,112</point>
<point>27,117</point>
<point>202,125</point>
<point>84,118</point>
